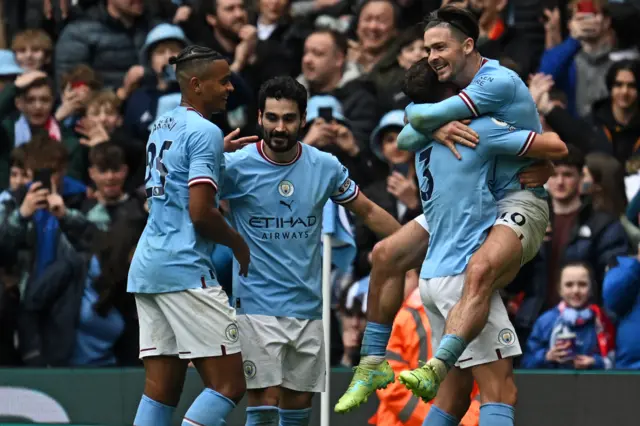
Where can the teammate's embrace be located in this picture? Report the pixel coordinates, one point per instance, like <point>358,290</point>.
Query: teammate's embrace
<point>276,190</point>
<point>183,312</point>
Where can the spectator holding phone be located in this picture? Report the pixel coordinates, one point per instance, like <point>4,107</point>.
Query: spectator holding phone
<point>579,64</point>
<point>329,130</point>
<point>40,219</point>
<point>575,334</point>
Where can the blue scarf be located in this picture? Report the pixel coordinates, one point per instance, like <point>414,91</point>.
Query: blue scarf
<point>46,226</point>
<point>570,318</point>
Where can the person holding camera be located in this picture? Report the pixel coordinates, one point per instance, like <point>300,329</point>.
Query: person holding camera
<point>329,130</point>
<point>39,221</point>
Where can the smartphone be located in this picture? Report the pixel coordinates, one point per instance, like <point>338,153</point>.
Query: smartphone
<point>169,73</point>
<point>586,6</point>
<point>402,168</point>
<point>44,177</point>
<point>326,113</point>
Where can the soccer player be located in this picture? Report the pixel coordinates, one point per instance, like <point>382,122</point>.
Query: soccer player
<point>183,312</point>
<point>450,39</point>
<point>392,256</point>
<point>276,191</point>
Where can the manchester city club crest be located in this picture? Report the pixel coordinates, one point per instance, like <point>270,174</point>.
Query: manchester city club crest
<point>285,188</point>
<point>506,337</point>
<point>249,369</point>
<point>232,332</point>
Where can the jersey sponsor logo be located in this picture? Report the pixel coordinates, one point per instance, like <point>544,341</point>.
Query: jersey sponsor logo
<point>232,332</point>
<point>249,369</point>
<point>482,80</point>
<point>285,224</point>
<point>265,222</point>
<point>285,188</point>
<point>506,337</point>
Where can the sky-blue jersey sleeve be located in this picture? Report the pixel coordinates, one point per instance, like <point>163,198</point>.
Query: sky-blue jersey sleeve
<point>204,150</point>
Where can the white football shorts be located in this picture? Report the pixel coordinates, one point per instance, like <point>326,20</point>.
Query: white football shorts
<point>497,340</point>
<point>194,323</point>
<point>528,216</point>
<point>281,351</point>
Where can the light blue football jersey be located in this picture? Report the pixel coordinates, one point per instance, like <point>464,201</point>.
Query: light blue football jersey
<point>496,91</point>
<point>277,208</point>
<point>183,149</point>
<point>456,197</point>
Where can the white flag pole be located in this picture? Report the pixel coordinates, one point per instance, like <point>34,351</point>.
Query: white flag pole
<point>325,403</point>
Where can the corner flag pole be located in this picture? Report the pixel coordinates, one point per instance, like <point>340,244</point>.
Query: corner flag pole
<point>325,403</point>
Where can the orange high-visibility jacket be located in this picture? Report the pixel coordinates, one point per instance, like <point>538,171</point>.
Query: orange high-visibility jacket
<point>411,342</point>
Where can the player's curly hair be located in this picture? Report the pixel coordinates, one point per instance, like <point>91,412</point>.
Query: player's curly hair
<point>283,87</point>
<point>462,21</point>
<point>421,84</point>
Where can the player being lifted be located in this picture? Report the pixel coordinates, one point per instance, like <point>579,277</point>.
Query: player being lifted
<point>450,38</point>
<point>276,191</point>
<point>184,314</point>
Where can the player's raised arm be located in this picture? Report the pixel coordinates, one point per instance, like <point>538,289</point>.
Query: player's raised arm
<point>205,150</point>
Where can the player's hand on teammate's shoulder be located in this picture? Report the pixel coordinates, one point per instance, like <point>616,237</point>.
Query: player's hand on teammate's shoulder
<point>537,174</point>
<point>233,143</point>
<point>456,132</point>
<point>242,254</point>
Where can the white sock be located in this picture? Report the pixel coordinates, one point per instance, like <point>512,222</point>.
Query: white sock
<point>439,367</point>
<point>371,360</point>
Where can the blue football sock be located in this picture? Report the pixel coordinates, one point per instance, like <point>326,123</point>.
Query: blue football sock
<point>295,417</point>
<point>209,409</point>
<point>450,349</point>
<point>262,416</point>
<point>375,339</point>
<point>152,412</point>
<point>495,414</point>
<point>437,417</point>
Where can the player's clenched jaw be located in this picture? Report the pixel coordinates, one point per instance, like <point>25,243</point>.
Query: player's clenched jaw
<point>447,51</point>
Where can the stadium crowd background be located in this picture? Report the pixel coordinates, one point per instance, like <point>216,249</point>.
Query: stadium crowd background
<point>81,82</point>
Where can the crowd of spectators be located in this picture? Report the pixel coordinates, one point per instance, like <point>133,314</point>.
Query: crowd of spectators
<point>82,81</point>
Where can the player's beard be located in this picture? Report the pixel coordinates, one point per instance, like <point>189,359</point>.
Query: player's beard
<point>280,141</point>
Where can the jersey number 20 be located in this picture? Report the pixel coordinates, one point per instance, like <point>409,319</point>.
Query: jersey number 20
<point>155,161</point>
<point>425,158</point>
